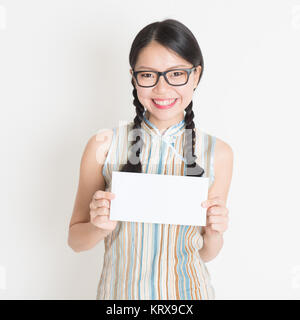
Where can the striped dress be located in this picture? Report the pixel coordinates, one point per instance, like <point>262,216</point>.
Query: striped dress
<point>150,261</point>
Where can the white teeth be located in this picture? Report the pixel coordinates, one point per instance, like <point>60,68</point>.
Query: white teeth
<point>164,102</point>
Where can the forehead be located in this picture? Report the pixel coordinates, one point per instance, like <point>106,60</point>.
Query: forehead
<point>156,56</point>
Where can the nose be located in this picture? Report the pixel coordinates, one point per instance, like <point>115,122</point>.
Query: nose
<point>161,85</point>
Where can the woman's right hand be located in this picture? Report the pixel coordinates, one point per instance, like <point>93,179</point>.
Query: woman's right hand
<point>100,211</point>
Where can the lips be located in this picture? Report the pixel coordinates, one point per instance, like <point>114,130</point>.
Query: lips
<point>164,105</point>
<point>159,99</point>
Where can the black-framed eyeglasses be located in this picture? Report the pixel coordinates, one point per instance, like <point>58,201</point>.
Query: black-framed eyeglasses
<point>174,77</point>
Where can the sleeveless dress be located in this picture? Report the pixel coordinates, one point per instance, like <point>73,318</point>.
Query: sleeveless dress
<point>149,261</point>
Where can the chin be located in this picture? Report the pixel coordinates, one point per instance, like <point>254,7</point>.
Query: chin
<point>162,114</point>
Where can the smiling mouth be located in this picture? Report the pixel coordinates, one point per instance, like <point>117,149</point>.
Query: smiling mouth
<point>164,103</point>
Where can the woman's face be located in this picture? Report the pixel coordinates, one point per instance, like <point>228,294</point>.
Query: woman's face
<point>158,58</point>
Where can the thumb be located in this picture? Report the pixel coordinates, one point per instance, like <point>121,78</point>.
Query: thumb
<point>208,230</point>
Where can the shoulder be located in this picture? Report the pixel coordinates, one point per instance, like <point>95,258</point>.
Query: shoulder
<point>223,151</point>
<point>98,145</point>
<point>223,168</point>
<point>90,178</point>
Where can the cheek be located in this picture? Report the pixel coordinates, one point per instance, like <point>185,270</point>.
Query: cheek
<point>144,94</point>
<point>185,94</point>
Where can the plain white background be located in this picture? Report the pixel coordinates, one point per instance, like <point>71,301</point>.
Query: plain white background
<point>64,75</point>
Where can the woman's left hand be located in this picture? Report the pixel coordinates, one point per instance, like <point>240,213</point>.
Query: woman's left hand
<point>216,216</point>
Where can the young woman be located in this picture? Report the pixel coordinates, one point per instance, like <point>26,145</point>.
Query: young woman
<point>147,260</point>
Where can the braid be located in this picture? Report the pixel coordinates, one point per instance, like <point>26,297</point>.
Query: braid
<point>193,169</point>
<point>136,146</point>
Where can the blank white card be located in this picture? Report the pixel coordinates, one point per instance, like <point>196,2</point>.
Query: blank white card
<point>156,198</point>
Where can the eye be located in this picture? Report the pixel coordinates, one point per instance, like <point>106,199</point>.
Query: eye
<point>146,75</point>
<point>176,73</point>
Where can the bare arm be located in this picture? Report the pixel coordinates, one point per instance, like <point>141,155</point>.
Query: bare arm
<point>83,235</point>
<point>223,166</point>
<point>211,247</point>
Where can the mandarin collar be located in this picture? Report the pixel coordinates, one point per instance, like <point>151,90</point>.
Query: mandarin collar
<point>173,131</point>
<point>168,137</point>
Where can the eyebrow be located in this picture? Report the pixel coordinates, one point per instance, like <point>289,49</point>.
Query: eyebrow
<point>174,67</point>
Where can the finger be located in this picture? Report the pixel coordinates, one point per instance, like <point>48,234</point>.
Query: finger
<point>213,202</point>
<point>100,219</point>
<point>217,210</point>
<point>100,194</point>
<point>218,227</point>
<point>93,214</point>
<point>92,205</point>
<point>217,219</point>
<point>102,203</point>
<point>103,211</point>
<point>95,204</point>
<point>100,212</point>
<point>109,225</point>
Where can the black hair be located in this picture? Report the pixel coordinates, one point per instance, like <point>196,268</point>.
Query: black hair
<point>173,35</point>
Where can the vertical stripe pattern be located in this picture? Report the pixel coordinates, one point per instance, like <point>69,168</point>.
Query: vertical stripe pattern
<point>148,261</point>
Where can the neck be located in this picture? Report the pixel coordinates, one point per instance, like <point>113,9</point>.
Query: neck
<point>163,125</point>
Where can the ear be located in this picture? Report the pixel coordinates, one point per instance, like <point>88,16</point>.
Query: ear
<point>131,73</point>
<point>197,74</point>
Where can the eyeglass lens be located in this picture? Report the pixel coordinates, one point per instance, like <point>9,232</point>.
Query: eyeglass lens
<point>176,77</point>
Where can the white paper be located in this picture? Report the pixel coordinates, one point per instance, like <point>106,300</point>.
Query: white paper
<point>156,198</point>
